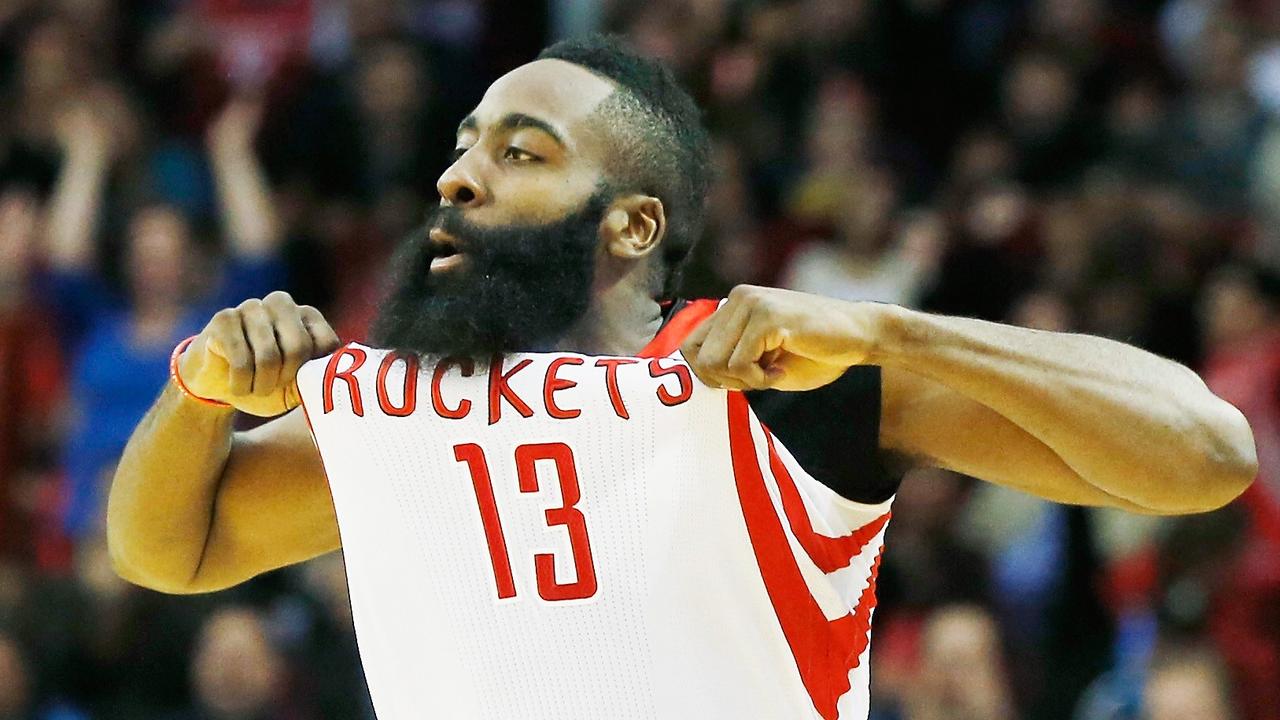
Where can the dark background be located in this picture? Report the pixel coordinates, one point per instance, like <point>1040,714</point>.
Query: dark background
<point>1080,165</point>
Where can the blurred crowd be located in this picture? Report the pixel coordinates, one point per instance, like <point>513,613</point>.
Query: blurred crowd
<point>1110,167</point>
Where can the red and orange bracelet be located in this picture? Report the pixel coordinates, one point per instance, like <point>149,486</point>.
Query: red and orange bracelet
<point>177,379</point>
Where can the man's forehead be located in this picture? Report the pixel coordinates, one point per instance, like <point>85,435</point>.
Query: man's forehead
<point>553,90</point>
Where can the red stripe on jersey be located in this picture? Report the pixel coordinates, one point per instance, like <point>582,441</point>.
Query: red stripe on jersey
<point>828,553</point>
<point>824,650</point>
<point>677,328</point>
<point>862,611</point>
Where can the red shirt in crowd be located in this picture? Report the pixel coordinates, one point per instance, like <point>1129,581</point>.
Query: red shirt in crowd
<point>1245,622</point>
<point>31,383</point>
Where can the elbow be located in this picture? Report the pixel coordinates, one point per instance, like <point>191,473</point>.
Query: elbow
<point>1236,465</point>
<point>118,551</point>
<point>1228,462</point>
<point>127,569</point>
<point>136,573</point>
<point>1221,484</point>
<point>130,565</point>
<point>131,573</point>
<point>159,582</point>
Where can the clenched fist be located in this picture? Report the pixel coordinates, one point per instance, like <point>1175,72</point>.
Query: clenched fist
<point>783,340</point>
<point>248,356</point>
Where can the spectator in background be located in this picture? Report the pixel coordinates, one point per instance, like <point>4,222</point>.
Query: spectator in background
<point>1218,126</point>
<point>840,144</point>
<point>930,567</point>
<point>1077,173</point>
<point>49,67</point>
<point>120,345</point>
<point>18,699</point>
<point>31,379</point>
<point>1187,684</point>
<point>847,195</point>
<point>329,672</point>
<point>15,683</point>
<point>1067,240</point>
<point>236,673</point>
<point>990,263</point>
<point>1241,314</point>
<point>394,169</point>
<point>105,646</point>
<point>1075,28</point>
<point>1134,128</point>
<point>747,78</point>
<point>956,673</point>
<point>732,250</point>
<point>1041,115</point>
<point>1241,309</point>
<point>376,139</point>
<point>359,154</point>
<point>875,256</point>
<point>982,156</point>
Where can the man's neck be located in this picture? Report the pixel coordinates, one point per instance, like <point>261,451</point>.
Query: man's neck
<point>621,321</point>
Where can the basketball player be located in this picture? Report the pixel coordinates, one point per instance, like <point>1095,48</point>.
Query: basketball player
<point>543,511</point>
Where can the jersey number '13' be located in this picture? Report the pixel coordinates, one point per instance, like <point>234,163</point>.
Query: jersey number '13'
<point>567,515</point>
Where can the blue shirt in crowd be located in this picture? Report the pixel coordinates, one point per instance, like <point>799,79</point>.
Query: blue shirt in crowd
<point>114,381</point>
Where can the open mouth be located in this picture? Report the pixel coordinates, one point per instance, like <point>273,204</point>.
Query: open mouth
<point>445,252</point>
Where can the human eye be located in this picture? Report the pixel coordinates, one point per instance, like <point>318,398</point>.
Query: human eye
<point>518,155</point>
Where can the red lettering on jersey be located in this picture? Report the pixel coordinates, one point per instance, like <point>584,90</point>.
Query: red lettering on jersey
<point>681,372</point>
<point>610,366</point>
<point>410,401</point>
<point>568,515</point>
<point>552,384</point>
<point>498,389</point>
<point>331,373</point>
<point>467,366</point>
<point>473,456</point>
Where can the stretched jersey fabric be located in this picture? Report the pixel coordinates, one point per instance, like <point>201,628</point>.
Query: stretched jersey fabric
<point>581,537</point>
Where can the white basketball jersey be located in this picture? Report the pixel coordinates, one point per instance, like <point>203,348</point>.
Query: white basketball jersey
<point>575,537</point>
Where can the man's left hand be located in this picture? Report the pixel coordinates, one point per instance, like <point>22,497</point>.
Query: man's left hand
<point>765,338</point>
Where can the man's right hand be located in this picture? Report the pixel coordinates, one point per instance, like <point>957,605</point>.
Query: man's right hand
<point>248,356</point>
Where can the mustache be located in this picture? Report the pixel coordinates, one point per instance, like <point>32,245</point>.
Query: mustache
<point>452,220</point>
<point>447,218</point>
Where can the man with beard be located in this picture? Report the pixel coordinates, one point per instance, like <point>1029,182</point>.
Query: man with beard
<point>543,513</point>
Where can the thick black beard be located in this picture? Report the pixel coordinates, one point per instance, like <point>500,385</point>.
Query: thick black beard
<point>520,288</point>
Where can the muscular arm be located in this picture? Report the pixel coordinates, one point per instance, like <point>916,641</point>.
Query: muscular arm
<point>195,506</point>
<point>1072,418</point>
<point>1069,417</point>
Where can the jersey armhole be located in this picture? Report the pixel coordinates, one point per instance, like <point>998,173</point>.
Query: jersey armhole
<point>833,432</point>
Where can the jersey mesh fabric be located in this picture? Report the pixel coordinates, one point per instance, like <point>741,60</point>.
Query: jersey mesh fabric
<point>683,622</point>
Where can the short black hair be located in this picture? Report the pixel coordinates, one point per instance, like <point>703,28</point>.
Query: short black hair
<point>664,149</point>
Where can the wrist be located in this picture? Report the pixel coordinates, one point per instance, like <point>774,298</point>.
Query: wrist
<point>888,331</point>
<point>176,360</point>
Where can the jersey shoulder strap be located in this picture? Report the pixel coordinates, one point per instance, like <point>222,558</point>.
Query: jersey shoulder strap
<point>845,455</point>
<point>682,317</point>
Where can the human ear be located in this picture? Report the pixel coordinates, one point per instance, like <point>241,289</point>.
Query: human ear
<point>633,226</point>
